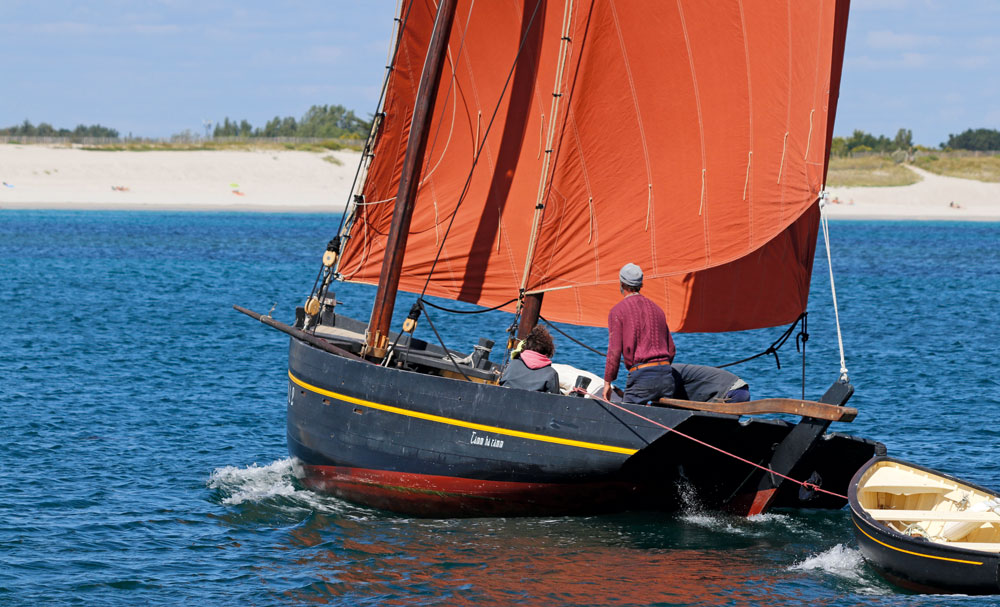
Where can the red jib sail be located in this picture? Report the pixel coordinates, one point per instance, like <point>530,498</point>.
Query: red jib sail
<point>570,138</point>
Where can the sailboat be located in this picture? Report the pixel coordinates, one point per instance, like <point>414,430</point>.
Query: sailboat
<point>522,152</point>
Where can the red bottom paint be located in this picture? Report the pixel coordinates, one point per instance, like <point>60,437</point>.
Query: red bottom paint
<point>761,501</point>
<point>429,495</point>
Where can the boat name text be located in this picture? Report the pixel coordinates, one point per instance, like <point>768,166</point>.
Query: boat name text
<point>485,440</point>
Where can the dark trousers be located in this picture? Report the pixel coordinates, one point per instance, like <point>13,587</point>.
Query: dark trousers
<point>649,384</point>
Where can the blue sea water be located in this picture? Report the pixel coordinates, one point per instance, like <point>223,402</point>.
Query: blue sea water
<point>143,456</point>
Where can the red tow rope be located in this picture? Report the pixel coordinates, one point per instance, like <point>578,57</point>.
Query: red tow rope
<point>805,484</point>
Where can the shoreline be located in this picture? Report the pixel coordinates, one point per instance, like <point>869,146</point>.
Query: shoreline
<point>38,177</point>
<point>933,198</point>
<point>263,180</point>
<point>174,208</point>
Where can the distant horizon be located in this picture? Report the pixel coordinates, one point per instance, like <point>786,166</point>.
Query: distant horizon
<point>158,70</point>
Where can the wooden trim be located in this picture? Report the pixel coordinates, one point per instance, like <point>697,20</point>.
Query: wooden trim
<point>805,408</point>
<point>935,516</point>
<point>980,546</point>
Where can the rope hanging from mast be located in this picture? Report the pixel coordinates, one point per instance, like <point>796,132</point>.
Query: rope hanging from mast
<point>824,222</point>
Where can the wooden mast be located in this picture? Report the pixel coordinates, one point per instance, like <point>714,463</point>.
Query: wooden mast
<point>531,309</point>
<point>388,282</point>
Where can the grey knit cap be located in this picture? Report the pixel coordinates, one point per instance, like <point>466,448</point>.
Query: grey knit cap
<point>630,275</point>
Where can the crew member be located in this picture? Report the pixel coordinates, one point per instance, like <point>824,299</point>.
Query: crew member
<point>637,332</point>
<point>531,368</point>
<point>709,384</point>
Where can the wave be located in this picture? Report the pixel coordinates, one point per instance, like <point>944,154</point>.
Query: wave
<point>258,484</point>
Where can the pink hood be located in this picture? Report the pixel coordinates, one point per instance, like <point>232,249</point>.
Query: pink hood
<point>534,360</point>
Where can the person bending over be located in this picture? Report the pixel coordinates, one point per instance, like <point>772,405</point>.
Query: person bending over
<point>709,384</point>
<point>531,368</point>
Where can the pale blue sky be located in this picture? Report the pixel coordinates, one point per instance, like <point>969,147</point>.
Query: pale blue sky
<point>155,68</point>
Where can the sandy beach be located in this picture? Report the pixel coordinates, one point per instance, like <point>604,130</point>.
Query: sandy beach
<point>934,197</point>
<point>41,177</point>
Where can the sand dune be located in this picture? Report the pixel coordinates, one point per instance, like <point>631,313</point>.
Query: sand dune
<point>36,177</point>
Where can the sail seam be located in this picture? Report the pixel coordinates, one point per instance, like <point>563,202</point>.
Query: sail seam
<point>571,119</point>
<point>746,185</point>
<point>650,216</point>
<point>452,93</point>
<point>788,106</point>
<point>701,129</point>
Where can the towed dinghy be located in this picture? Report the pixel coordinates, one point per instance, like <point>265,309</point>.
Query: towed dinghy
<point>926,531</point>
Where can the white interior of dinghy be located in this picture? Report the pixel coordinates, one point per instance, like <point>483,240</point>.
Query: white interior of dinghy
<point>923,504</point>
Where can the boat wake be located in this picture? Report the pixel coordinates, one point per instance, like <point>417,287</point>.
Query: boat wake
<point>846,563</point>
<point>760,525</point>
<point>275,490</point>
<point>839,560</point>
<point>257,484</point>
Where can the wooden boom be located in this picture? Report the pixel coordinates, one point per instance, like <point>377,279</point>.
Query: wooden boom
<point>805,408</point>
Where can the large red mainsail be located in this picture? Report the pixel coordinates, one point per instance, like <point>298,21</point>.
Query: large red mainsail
<point>570,138</point>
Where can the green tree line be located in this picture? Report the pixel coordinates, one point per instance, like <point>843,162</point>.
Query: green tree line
<point>974,139</point>
<point>44,129</point>
<point>320,121</point>
<point>860,141</point>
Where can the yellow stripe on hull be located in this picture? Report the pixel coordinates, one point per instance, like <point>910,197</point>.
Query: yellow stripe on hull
<point>462,424</point>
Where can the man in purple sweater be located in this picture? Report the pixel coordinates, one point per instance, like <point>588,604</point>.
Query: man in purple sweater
<point>637,332</point>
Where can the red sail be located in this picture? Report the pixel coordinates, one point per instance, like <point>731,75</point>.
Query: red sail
<point>688,137</point>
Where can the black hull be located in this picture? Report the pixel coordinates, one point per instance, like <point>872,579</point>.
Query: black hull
<point>431,446</point>
<point>917,564</point>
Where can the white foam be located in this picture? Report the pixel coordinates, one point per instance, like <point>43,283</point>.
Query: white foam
<point>753,526</point>
<point>255,483</point>
<point>839,560</point>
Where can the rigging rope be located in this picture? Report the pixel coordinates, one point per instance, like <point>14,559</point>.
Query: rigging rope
<point>536,221</point>
<point>773,348</point>
<point>833,288</point>
<point>804,484</point>
<point>570,337</point>
<point>453,311</point>
<point>475,160</point>
<point>325,272</point>
<point>376,117</point>
<point>803,337</point>
<point>441,341</point>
